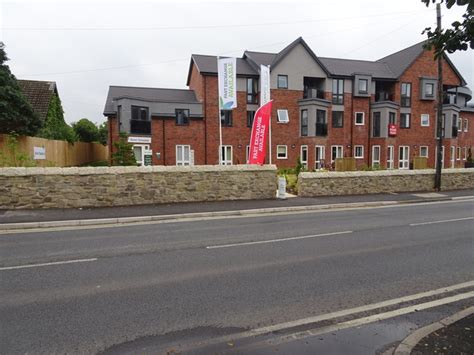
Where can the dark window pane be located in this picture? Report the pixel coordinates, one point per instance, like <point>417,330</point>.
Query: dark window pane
<point>250,116</point>
<point>376,125</point>
<point>337,119</point>
<point>321,123</point>
<point>182,116</point>
<point>404,120</point>
<point>226,118</point>
<point>338,91</point>
<point>304,122</point>
<point>392,118</point>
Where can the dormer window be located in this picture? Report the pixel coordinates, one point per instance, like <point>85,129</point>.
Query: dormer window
<point>182,117</point>
<point>139,113</point>
<point>363,86</point>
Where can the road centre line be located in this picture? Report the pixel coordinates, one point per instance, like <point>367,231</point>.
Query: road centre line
<point>276,240</point>
<point>441,221</point>
<point>373,318</point>
<point>47,264</point>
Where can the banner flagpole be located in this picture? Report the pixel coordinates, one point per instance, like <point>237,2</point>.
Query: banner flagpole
<point>270,131</point>
<point>220,122</point>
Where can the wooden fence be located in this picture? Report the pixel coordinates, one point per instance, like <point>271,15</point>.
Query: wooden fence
<point>51,152</point>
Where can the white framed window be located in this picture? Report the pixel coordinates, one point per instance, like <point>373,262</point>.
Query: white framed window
<point>282,152</point>
<point>453,156</point>
<point>304,156</point>
<point>247,153</point>
<point>459,124</point>
<point>359,152</point>
<point>359,118</point>
<point>390,156</point>
<point>465,124</point>
<point>465,153</point>
<point>282,116</point>
<point>183,155</point>
<point>320,154</point>
<point>424,151</point>
<point>425,120</point>
<point>459,152</point>
<point>226,155</point>
<point>375,156</point>
<point>337,151</point>
<point>403,157</point>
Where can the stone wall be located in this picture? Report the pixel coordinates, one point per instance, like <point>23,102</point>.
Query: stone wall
<point>22,188</point>
<point>385,181</point>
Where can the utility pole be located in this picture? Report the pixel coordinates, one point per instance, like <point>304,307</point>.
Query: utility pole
<point>439,120</point>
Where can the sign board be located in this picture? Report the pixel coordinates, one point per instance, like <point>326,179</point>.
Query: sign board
<point>142,140</point>
<point>281,193</point>
<point>39,153</point>
<point>392,130</point>
<point>147,157</point>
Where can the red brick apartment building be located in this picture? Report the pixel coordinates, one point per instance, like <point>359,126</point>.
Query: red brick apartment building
<point>379,112</point>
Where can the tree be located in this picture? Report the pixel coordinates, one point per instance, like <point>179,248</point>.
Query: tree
<point>16,114</point>
<point>103,133</point>
<point>55,127</point>
<point>459,37</point>
<point>123,152</point>
<point>86,130</point>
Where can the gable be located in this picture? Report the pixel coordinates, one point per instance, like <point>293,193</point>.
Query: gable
<point>297,63</point>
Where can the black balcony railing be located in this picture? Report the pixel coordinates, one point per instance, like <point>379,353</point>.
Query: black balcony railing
<point>313,93</point>
<point>383,96</point>
<point>140,127</point>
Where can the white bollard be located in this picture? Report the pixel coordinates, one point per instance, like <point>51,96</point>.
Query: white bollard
<point>281,192</point>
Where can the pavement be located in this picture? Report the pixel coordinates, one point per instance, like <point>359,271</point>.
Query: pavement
<point>451,335</point>
<point>19,219</point>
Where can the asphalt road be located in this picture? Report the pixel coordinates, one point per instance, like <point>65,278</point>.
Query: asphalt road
<point>129,285</point>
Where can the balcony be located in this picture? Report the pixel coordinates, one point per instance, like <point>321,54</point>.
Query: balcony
<point>383,96</point>
<point>140,127</point>
<point>313,93</point>
<point>321,129</point>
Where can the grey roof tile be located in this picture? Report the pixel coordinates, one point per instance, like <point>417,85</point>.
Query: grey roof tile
<point>398,62</point>
<point>347,67</point>
<point>208,64</point>
<point>38,94</point>
<point>148,94</point>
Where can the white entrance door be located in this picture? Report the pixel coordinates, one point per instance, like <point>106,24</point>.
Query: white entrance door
<point>404,157</point>
<point>226,155</point>
<point>139,152</point>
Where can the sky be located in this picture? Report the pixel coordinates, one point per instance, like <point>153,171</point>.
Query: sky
<point>86,46</point>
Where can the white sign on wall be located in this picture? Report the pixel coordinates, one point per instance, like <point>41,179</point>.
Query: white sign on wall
<point>139,139</point>
<point>39,153</point>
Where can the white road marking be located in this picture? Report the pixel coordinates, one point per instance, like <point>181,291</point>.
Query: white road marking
<point>276,240</point>
<point>441,221</point>
<point>47,264</point>
<point>372,318</point>
<point>351,311</point>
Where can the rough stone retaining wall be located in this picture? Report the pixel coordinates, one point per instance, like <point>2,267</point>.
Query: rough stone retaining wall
<point>121,186</point>
<point>365,182</point>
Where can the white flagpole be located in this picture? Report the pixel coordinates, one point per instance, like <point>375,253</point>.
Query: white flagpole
<point>270,130</point>
<point>219,117</point>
